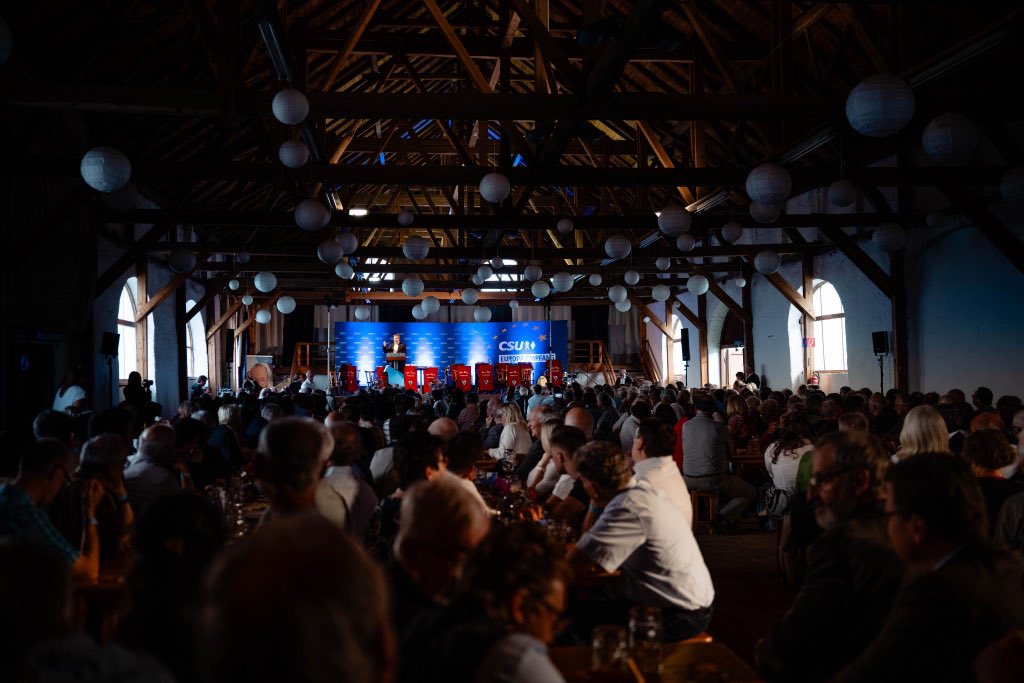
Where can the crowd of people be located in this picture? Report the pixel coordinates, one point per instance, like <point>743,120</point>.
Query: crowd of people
<point>394,544</point>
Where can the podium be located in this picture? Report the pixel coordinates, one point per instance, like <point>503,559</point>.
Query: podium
<point>395,360</point>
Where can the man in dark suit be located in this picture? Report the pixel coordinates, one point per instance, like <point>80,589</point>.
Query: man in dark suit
<point>395,346</point>
<point>963,592</point>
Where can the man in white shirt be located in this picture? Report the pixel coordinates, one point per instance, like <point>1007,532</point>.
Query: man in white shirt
<point>342,496</point>
<point>639,410</point>
<point>653,463</point>
<point>308,385</point>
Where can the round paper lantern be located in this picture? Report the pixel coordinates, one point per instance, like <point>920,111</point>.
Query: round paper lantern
<point>764,213</point>
<point>485,272</point>
<point>663,263</point>
<point>769,184</point>
<point>562,282</point>
<point>697,284</point>
<point>6,41</point>
<point>595,280</point>
<point>329,251</point>
<point>344,271</point>
<point>1012,185</point>
<point>617,247</point>
<point>362,313</point>
<point>265,281</point>
<point>293,153</point>
<point>263,316</point>
<point>565,226</point>
<point>513,304</point>
<point>348,242</point>
<point>412,286</point>
<point>418,312</point>
<point>661,293</point>
<point>105,169</point>
<point>685,242</point>
<point>623,306</point>
<point>431,305</point>
<point>415,248</point>
<point>617,293</point>
<point>494,187</point>
<point>540,289</point>
<point>732,231</point>
<point>476,280</point>
<point>879,106</point>
<point>740,282</point>
<point>496,263</point>
<point>674,220</point>
<point>842,193</point>
<point>950,137</point>
<point>311,214</point>
<point>233,285</point>
<point>632,277</point>
<point>182,260</point>
<point>286,304</point>
<point>470,296</point>
<point>889,237</point>
<point>767,262</point>
<point>533,273</point>
<point>290,107</point>
<point>482,314</point>
<point>242,257</point>
<point>120,200</point>
<point>247,300</point>
<point>405,217</point>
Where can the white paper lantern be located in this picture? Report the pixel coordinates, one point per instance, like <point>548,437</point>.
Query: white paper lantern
<point>540,289</point>
<point>120,200</point>
<point>513,304</point>
<point>182,260</point>
<point>263,316</point>
<point>470,296</point>
<point>767,262</point>
<point>740,282</point>
<point>663,263</point>
<point>344,271</point>
<point>484,272</point>
<point>431,305</point>
<point>562,282</point>
<point>617,293</point>
<point>617,247</point>
<point>6,41</point>
<point>732,231</point>
<point>362,313</point>
<point>329,251</point>
<point>496,263</point>
<point>842,193</point>
<point>890,237</point>
<point>623,306</point>
<point>595,280</point>
<point>1012,185</point>
<point>764,213</point>
<point>494,187</point>
<point>265,281</point>
<point>418,312</point>
<point>769,184</point>
<point>405,217</point>
<point>290,107</point>
<point>105,169</point>
<point>697,284</point>
<point>632,277</point>
<point>415,248</point>
<point>565,226</point>
<point>533,273</point>
<point>311,215</point>
<point>286,305</point>
<point>348,242</point>
<point>880,105</point>
<point>674,220</point>
<point>242,257</point>
<point>482,314</point>
<point>293,153</point>
<point>950,137</point>
<point>476,280</point>
<point>661,293</point>
<point>247,300</point>
<point>412,286</point>
<point>685,242</point>
<point>233,285</point>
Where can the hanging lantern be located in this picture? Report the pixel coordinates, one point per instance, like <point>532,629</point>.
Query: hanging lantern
<point>120,200</point>
<point>496,263</point>
<point>842,193</point>
<point>263,316</point>
<point>950,137</point>
<point>412,286</point>
<point>293,153</point>
<point>415,248</point>
<point>405,218</point>
<point>697,284</point>
<point>482,314</point>
<point>485,272</point>
<point>329,251</point>
<point>494,187</point>
<point>476,280</point>
<point>344,271</point>
<point>242,257</point>
<point>265,281</point>
<point>767,262</point>
<point>565,226</point>
<point>311,215</point>
<point>617,247</point>
<point>663,263</point>
<point>348,242</point>
<point>286,305</point>
<point>533,273</point>
<point>290,107</point>
<point>623,306</point>
<point>674,220</point>
<point>233,285</point>
<point>632,277</point>
<point>880,106</point>
<point>105,169</point>
<point>182,260</point>
<point>362,313</point>
<point>595,280</point>
<point>431,305</point>
<point>769,184</point>
<point>470,296</point>
<point>685,242</point>
<point>513,304</point>
<point>764,213</point>
<point>540,289</point>
<point>247,299</point>
<point>740,282</point>
<point>562,282</point>
<point>661,293</point>
<point>732,232</point>
<point>617,293</point>
<point>889,237</point>
<point>418,312</point>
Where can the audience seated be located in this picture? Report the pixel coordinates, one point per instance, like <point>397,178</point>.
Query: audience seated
<point>343,496</point>
<point>987,451</point>
<point>653,463</point>
<point>156,471</point>
<point>289,462</point>
<point>924,431</point>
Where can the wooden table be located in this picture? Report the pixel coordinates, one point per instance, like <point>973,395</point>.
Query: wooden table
<point>683,661</point>
<point>98,604</point>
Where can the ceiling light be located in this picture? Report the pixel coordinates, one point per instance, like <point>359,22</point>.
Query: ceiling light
<point>357,212</point>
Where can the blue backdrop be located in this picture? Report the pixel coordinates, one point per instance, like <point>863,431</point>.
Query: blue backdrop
<point>443,344</point>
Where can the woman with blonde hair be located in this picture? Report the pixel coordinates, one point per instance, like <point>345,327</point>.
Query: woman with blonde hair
<point>924,431</point>
<point>515,439</point>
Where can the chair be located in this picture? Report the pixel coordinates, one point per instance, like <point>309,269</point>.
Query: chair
<point>711,504</point>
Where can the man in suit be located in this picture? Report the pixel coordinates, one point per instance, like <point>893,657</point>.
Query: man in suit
<point>963,592</point>
<point>395,346</point>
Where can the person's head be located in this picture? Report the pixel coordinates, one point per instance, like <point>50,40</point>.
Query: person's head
<point>581,419</point>
<point>289,460</point>
<point>309,375</point>
<point>934,504</point>
<point>564,441</point>
<point>853,422</point>
<point>299,586</point>
<point>493,403</point>
<point>982,397</point>
<point>472,398</point>
<point>396,338</point>
<point>987,450</point>
<point>987,420</point>
<point>462,452</point>
<point>44,467</point>
<point>741,377</point>
<point>795,433</point>
<point>537,415</point>
<point>271,412</point>
<point>156,444</point>
<point>924,431</point>
<point>704,403</point>
<point>443,428</point>
<point>112,421</point>
<point>640,409</point>
<point>603,468</point>
<point>440,525</point>
<point>770,411</point>
<point>260,374</point>
<point>348,444</point>
<point>509,413</point>
<point>51,424</point>
<point>876,404</point>
<point>519,578</point>
<point>847,469</point>
<point>201,380</point>
<point>419,459</point>
<point>547,427</point>
<point>103,458</point>
<point>654,439</point>
<point>735,406</point>
<point>230,415</point>
<point>1017,428</point>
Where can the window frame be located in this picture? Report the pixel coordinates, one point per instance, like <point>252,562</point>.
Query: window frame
<point>819,329</point>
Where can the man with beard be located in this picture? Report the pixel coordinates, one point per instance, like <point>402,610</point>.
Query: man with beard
<point>852,571</point>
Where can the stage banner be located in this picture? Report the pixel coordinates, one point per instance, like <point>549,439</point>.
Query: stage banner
<point>410,377</point>
<point>447,344</point>
<point>501,371</point>
<point>463,376</point>
<point>429,377</point>
<point>348,378</point>
<point>484,377</point>
<point>526,373</point>
<point>555,372</point>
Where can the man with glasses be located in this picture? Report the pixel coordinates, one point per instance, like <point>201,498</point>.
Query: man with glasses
<point>42,474</point>
<point>852,572</point>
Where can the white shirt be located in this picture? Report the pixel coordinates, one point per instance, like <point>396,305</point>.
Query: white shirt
<point>307,386</point>
<point>563,487</point>
<point>646,536</point>
<point>628,433</point>
<point>783,472</point>
<point>381,464</point>
<point>515,438</point>
<point>346,500</point>
<point>470,488</point>
<point>544,482</point>
<point>667,480</point>
<point>71,394</point>
<point>518,658</point>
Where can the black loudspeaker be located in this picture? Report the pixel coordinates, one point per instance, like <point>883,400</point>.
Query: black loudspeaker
<point>880,342</point>
<point>109,345</point>
<point>684,339</point>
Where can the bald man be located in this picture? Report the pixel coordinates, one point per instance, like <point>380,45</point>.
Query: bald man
<point>443,428</point>
<point>157,471</point>
<point>580,418</point>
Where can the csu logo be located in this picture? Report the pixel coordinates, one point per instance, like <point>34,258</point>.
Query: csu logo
<point>517,346</point>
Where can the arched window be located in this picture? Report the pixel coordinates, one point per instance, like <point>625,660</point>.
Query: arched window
<point>196,362</point>
<point>127,360</point>
<point>829,330</point>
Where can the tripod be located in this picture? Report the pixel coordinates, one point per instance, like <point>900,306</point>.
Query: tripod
<point>111,380</point>
<point>881,376</point>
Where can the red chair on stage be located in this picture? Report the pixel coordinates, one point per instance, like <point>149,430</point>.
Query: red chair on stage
<point>462,377</point>
<point>484,377</point>
<point>410,377</point>
<point>501,372</point>
<point>429,377</point>
<point>526,373</point>
<point>555,373</point>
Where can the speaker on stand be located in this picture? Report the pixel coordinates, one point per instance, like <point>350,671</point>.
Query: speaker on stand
<point>880,344</point>
<point>684,343</point>
<point>108,348</point>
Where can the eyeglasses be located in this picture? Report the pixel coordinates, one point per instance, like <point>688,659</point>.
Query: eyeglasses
<point>561,621</point>
<point>819,480</point>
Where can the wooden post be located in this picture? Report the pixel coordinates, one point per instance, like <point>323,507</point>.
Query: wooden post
<point>901,370</point>
<point>670,346</point>
<point>702,339</point>
<point>179,341</point>
<point>808,317</point>
<point>142,328</point>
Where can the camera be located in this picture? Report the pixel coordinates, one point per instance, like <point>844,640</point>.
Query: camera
<point>147,382</point>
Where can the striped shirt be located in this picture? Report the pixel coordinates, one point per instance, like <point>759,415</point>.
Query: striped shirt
<point>21,518</point>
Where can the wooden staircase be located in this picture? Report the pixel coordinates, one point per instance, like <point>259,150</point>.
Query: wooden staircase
<point>311,356</point>
<point>591,356</point>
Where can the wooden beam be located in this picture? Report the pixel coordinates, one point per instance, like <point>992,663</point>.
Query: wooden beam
<point>213,288</point>
<point>179,342</point>
<point>787,290</point>
<point>665,329</point>
<point>131,255</point>
<point>664,158</point>
<point>900,349</point>
<point>252,318</point>
<point>231,310</point>
<point>1001,237</point>
<point>177,281</point>
<point>350,42</point>
<point>807,275</point>
<point>687,313</point>
<point>865,264</point>
<point>142,331</point>
<point>730,303</point>
<point>702,340</point>
<point>569,74</point>
<point>748,323</point>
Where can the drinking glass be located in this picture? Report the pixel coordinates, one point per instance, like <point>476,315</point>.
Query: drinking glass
<point>608,648</point>
<point>645,638</point>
